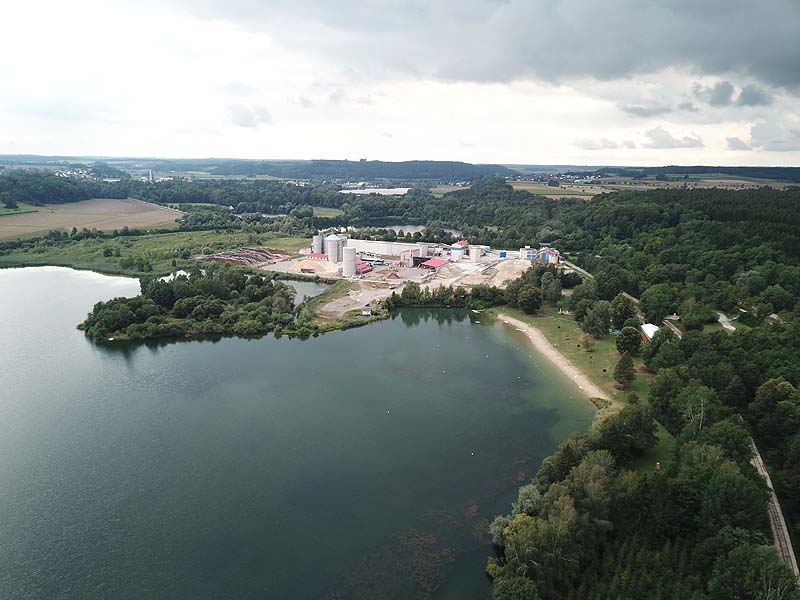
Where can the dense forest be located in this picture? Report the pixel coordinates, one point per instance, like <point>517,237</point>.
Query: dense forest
<point>217,300</point>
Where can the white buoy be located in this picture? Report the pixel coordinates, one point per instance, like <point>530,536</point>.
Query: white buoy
<point>472,454</point>
<point>387,412</point>
<point>444,371</point>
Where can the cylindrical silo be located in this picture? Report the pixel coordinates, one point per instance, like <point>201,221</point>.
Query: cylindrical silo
<point>348,262</point>
<point>333,247</point>
<point>317,245</point>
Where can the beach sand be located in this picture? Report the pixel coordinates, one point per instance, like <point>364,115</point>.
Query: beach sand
<point>543,346</point>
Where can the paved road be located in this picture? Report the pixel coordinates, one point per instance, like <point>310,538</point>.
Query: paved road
<point>780,534</point>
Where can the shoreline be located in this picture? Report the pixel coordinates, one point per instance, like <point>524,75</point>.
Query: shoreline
<point>551,353</point>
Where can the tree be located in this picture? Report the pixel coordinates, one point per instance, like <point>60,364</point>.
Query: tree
<point>775,411</point>
<point>624,371</point>
<point>529,299</point>
<point>597,320</point>
<point>551,288</point>
<point>629,340</point>
<point>752,573</point>
<point>657,302</point>
<point>514,588</point>
<point>8,200</point>
<point>622,309</point>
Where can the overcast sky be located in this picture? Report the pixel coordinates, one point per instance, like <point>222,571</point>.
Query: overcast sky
<point>637,82</point>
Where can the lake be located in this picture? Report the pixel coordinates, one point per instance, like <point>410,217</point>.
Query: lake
<point>360,464</point>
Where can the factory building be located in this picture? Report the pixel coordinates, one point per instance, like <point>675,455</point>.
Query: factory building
<point>648,331</point>
<point>408,255</point>
<point>433,263</point>
<point>545,255</point>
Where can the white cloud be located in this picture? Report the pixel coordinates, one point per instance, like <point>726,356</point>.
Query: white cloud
<point>661,139</point>
<point>167,78</point>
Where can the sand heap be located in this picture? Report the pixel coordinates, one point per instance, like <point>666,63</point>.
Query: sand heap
<point>247,256</point>
<point>320,267</point>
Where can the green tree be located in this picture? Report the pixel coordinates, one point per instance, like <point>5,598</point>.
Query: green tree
<point>622,309</point>
<point>624,372</point>
<point>514,588</point>
<point>8,200</point>
<point>529,299</point>
<point>597,320</point>
<point>629,340</point>
<point>657,302</point>
<point>752,573</point>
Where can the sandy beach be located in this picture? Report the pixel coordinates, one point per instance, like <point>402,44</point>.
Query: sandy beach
<point>554,356</point>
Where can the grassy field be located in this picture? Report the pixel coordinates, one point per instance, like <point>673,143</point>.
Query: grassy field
<point>100,214</point>
<point>565,334</point>
<point>564,191</point>
<point>324,211</point>
<point>23,209</point>
<point>159,249</point>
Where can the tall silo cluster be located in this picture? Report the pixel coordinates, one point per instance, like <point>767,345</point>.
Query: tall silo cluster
<point>349,261</point>
<point>334,245</point>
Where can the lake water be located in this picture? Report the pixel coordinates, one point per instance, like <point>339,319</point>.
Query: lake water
<point>306,289</point>
<point>360,464</point>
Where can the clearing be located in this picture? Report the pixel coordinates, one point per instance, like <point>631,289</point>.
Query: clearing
<point>100,214</point>
<point>324,211</point>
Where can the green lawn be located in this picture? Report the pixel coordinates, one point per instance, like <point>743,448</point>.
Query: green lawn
<point>565,334</point>
<point>23,208</point>
<point>160,249</point>
<point>324,211</point>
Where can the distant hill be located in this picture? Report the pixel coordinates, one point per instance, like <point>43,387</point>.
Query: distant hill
<point>363,170</point>
<point>780,173</point>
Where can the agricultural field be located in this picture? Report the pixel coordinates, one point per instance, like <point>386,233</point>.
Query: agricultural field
<point>564,191</point>
<point>155,252</point>
<point>441,190</point>
<point>100,214</point>
<point>324,211</point>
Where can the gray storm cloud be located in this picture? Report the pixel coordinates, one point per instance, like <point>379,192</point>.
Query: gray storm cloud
<point>502,40</point>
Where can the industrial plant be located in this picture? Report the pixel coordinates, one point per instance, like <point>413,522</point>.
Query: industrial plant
<point>334,255</point>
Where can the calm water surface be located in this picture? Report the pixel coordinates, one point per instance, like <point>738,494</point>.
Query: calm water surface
<point>360,464</point>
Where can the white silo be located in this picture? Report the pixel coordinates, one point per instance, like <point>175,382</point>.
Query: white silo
<point>317,244</point>
<point>349,262</point>
<point>333,247</point>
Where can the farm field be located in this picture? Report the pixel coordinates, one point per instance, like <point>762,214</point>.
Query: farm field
<point>564,191</point>
<point>324,211</point>
<point>100,214</point>
<point>122,254</point>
